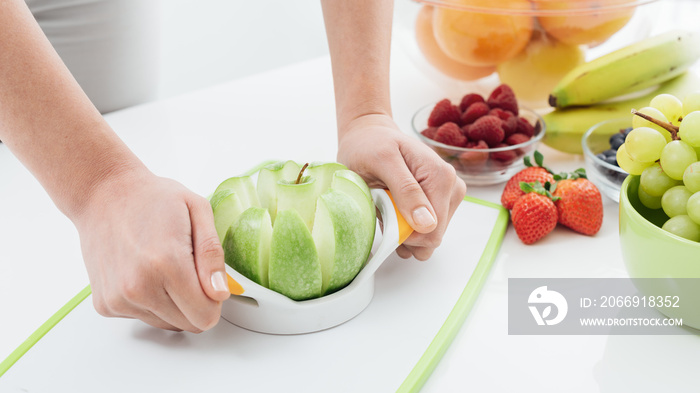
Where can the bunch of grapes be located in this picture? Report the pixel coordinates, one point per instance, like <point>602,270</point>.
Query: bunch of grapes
<point>664,149</point>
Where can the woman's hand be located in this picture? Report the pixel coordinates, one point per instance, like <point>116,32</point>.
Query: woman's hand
<point>426,189</point>
<point>152,253</point>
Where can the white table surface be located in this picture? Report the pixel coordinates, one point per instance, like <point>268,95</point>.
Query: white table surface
<point>205,136</point>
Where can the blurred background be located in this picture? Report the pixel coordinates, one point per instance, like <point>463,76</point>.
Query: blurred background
<point>207,42</point>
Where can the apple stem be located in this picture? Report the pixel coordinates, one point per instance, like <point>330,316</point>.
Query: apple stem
<point>668,126</point>
<point>301,172</point>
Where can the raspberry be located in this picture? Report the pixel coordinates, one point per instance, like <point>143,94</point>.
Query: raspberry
<point>444,112</point>
<point>506,156</point>
<point>471,159</point>
<point>469,99</point>
<point>510,126</point>
<point>450,134</point>
<point>524,127</point>
<point>501,113</point>
<point>429,132</point>
<point>465,130</point>
<point>517,139</point>
<point>510,121</point>
<point>474,111</point>
<point>487,128</point>
<point>503,97</point>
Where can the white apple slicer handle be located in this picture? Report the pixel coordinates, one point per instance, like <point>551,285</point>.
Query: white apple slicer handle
<point>260,309</point>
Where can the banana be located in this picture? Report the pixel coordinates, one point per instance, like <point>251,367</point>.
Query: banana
<point>633,68</point>
<point>564,128</point>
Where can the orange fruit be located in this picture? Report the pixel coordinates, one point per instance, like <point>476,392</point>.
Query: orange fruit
<point>585,25</point>
<point>483,38</point>
<point>436,57</point>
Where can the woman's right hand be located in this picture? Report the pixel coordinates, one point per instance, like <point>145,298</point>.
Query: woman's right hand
<point>152,253</point>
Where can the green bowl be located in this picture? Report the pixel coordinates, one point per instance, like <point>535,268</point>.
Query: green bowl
<point>651,252</point>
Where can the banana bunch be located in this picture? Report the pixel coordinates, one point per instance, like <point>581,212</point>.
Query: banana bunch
<point>586,95</point>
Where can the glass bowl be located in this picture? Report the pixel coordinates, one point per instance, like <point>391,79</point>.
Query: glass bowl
<point>607,177</point>
<point>475,45</point>
<point>480,167</point>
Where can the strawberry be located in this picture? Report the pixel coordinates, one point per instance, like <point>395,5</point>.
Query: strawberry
<point>512,190</point>
<point>444,112</point>
<point>580,205</point>
<point>534,214</point>
<point>503,97</point>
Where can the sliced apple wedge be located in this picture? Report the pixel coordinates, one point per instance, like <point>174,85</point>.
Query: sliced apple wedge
<point>226,206</point>
<point>300,197</point>
<point>294,267</point>
<point>354,186</point>
<point>244,187</point>
<point>323,173</point>
<point>340,238</point>
<point>247,244</point>
<point>267,183</point>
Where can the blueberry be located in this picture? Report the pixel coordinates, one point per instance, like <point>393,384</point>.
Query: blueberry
<point>626,131</point>
<point>617,140</point>
<point>610,152</point>
<point>612,160</point>
<point>602,156</point>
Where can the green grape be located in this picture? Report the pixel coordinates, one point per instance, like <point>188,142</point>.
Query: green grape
<point>691,102</point>
<point>655,182</point>
<point>656,114</point>
<point>674,201</point>
<point>675,157</point>
<point>689,131</point>
<point>645,144</point>
<point>652,202</point>
<point>693,207</point>
<point>628,164</point>
<point>670,106</point>
<point>683,226</point>
<point>691,177</point>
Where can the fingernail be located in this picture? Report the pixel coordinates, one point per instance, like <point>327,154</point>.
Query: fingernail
<point>218,281</point>
<point>422,217</point>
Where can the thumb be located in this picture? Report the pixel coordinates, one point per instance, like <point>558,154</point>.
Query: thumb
<point>409,197</point>
<point>208,254</point>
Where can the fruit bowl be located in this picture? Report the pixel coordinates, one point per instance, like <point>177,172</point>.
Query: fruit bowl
<point>651,252</point>
<point>481,167</point>
<point>474,45</point>
<point>606,176</point>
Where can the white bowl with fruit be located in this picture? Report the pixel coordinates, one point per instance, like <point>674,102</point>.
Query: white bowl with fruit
<point>298,245</point>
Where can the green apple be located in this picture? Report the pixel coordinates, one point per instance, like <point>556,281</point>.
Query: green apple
<point>307,234</point>
<point>247,244</point>
<point>244,187</point>
<point>226,206</point>
<point>267,183</point>
<point>295,270</point>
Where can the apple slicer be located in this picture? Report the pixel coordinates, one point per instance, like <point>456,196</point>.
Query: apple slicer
<point>260,309</point>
